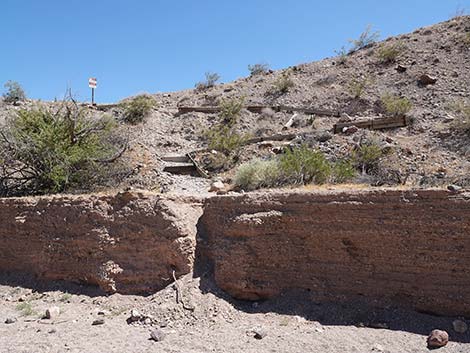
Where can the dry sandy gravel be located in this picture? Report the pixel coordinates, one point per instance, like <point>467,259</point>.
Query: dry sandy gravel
<point>217,324</point>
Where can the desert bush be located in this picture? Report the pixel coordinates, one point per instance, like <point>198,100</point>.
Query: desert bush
<point>367,156</point>
<point>304,165</point>
<point>258,69</point>
<point>258,174</point>
<point>395,106</point>
<point>466,38</point>
<point>210,81</point>
<point>14,92</point>
<point>224,139</point>
<point>301,165</point>
<point>230,110</point>
<point>389,53</point>
<point>342,171</point>
<point>282,84</point>
<point>357,87</point>
<point>44,151</point>
<point>137,108</point>
<point>365,39</point>
<point>342,55</point>
<point>462,120</point>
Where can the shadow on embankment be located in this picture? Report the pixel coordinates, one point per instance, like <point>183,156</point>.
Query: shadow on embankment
<point>25,280</point>
<point>300,302</point>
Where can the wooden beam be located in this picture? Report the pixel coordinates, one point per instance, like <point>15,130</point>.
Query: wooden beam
<point>259,108</point>
<point>372,124</point>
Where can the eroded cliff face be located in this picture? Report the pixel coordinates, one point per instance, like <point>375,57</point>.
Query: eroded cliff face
<point>409,248</point>
<point>129,242</point>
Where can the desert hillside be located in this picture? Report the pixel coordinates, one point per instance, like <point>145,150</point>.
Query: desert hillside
<point>427,70</point>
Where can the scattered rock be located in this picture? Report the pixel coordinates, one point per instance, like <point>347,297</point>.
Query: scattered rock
<point>157,335</point>
<point>11,320</point>
<point>425,80</point>
<point>103,313</point>
<point>377,348</point>
<point>98,322</point>
<point>438,338</point>
<point>52,313</point>
<point>401,68</point>
<point>460,326</point>
<point>349,130</point>
<point>135,316</point>
<point>259,334</point>
<point>52,330</point>
<point>454,188</point>
<point>217,186</point>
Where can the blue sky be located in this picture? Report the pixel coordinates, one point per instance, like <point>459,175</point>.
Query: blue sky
<point>155,46</point>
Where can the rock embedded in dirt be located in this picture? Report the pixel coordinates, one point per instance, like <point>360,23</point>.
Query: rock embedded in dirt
<point>260,333</point>
<point>460,326</point>
<point>52,313</point>
<point>454,188</point>
<point>135,316</point>
<point>157,335</point>
<point>350,130</point>
<point>98,322</point>
<point>438,338</point>
<point>217,186</point>
<point>11,320</point>
<point>426,79</point>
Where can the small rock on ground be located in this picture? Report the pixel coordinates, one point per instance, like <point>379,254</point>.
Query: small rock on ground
<point>438,338</point>
<point>157,335</point>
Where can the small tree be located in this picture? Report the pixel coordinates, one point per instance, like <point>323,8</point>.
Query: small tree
<point>211,80</point>
<point>389,53</point>
<point>44,151</point>
<point>14,92</point>
<point>258,69</point>
<point>282,84</point>
<point>396,106</point>
<point>365,39</point>
<point>138,108</point>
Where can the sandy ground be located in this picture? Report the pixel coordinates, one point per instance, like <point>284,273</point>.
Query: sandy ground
<point>208,322</point>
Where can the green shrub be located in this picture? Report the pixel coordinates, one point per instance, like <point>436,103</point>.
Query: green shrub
<point>137,109</point>
<point>466,39</point>
<point>342,171</point>
<point>365,39</point>
<point>26,309</point>
<point>230,110</point>
<point>258,69</point>
<point>258,174</point>
<point>389,53</point>
<point>357,87</point>
<point>304,165</point>
<point>395,105</point>
<point>462,121</point>
<point>301,165</point>
<point>224,139</point>
<point>367,156</point>
<point>44,151</point>
<point>282,84</point>
<point>210,81</point>
<point>14,92</point>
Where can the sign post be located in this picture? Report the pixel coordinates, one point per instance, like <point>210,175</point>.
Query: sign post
<point>92,84</point>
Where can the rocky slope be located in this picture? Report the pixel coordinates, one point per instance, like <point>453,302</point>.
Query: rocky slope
<point>428,152</point>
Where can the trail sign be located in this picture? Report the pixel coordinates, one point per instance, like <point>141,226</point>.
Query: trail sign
<point>92,84</point>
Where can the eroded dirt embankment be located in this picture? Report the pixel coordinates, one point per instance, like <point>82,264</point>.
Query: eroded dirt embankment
<point>129,242</point>
<point>408,248</point>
